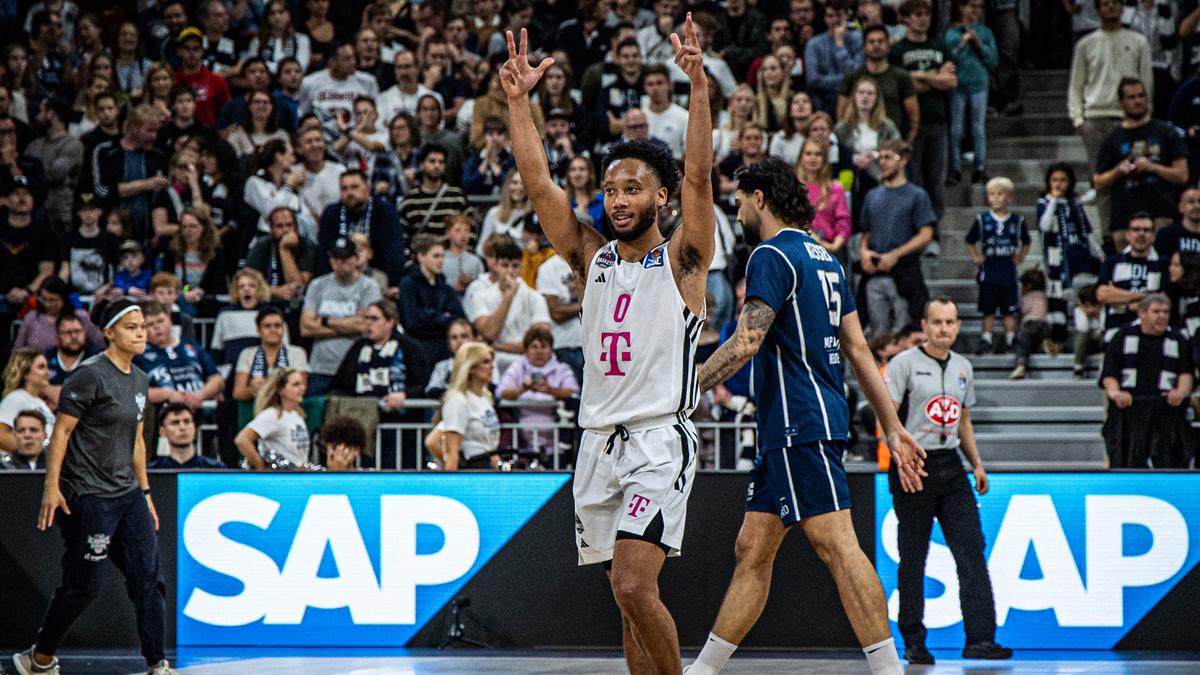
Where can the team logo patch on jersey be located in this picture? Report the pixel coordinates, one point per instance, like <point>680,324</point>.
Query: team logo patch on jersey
<point>943,410</point>
<point>140,400</point>
<point>606,258</point>
<point>962,380</point>
<point>653,259</point>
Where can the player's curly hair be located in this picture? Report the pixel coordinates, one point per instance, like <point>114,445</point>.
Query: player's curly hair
<point>658,158</point>
<point>785,195</point>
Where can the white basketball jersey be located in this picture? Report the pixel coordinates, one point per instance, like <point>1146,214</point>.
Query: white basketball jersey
<point>639,341</point>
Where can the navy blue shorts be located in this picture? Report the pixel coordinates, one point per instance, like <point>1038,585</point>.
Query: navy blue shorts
<point>799,482</point>
<point>998,297</point>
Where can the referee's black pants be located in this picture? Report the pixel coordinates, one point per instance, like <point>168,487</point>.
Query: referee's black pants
<point>948,497</point>
<point>100,528</point>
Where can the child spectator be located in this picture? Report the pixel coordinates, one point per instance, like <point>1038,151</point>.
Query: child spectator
<point>460,266</point>
<point>427,305</point>
<point>164,288</point>
<point>973,48</point>
<point>458,333</point>
<point>1034,329</point>
<point>132,278</point>
<point>1089,328</point>
<point>1005,242</point>
<point>89,251</point>
<point>1068,248</point>
<point>538,376</point>
<point>364,257</point>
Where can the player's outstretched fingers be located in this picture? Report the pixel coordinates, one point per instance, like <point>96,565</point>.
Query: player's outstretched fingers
<point>689,30</point>
<point>512,46</point>
<point>524,44</point>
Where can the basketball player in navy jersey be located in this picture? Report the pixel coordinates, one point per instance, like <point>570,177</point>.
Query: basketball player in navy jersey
<point>798,321</point>
<point>643,308</point>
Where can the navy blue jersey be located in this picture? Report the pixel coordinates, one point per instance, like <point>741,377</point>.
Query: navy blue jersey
<point>797,376</point>
<point>184,367</point>
<point>999,241</point>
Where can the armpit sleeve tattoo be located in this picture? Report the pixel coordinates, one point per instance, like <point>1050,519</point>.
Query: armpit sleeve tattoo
<point>755,321</point>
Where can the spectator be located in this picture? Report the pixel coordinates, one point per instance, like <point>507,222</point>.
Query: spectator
<point>802,17</point>
<point>237,113</point>
<point>276,185</point>
<point>739,113</point>
<point>933,75</point>
<point>508,216</point>
<point>828,57</point>
<point>285,259</point>
<point>26,378</point>
<point>70,349</point>
<point>535,248</point>
<point>538,376</point>
<point>752,146</point>
<point>897,222</point>
<point>707,27</point>
<point>461,266</point>
<point>107,129</point>
<point>1158,22</point>
<point>395,169</point>
<point>322,186</point>
<point>831,213</point>
<point>973,48</point>
<point>194,257</point>
<point>364,140</point>
<point>167,290</point>
<point>745,26</point>
<point>1141,163</point>
<point>129,172</point>
<point>184,191</point>
<point>619,91</point>
<point>408,90</point>
<point>235,328</point>
<point>212,92</point>
<point>30,433</point>
<point>655,39</point>
<point>584,38</point>
<point>773,94</point>
<point>560,143</point>
<point>277,437</point>
<point>1129,276</point>
<point>255,362</point>
<point>429,127</point>
<point>39,325</point>
<point>667,120</point>
<point>160,79</point>
<point>331,93</point>
<point>1005,242</point>
<point>219,52</point>
<point>427,304</point>
<point>1068,248</point>
<point>630,11</point>
<point>583,195</point>
<point>62,156</point>
<point>1035,331</point>
<point>1182,237</point>
<point>319,28</point>
<point>279,40</point>
<point>502,306</point>
<point>287,92</point>
<point>375,365</point>
<point>1184,290</point>
<point>1089,328</point>
<point>88,252</point>
<point>344,439</point>
<point>426,206</point>
<point>557,283</point>
<point>467,434</point>
<point>1101,60</point>
<point>360,212</point>
<point>1185,114</point>
<point>182,123</point>
<point>485,170</point>
<point>261,126</point>
<point>1148,375</point>
<point>132,277</point>
<point>1005,23</point>
<point>177,424</point>
<point>180,371</point>
<point>861,133</point>
<point>332,315</point>
<point>459,333</point>
<point>786,143</point>
<point>494,103</point>
<point>895,84</point>
<point>27,258</point>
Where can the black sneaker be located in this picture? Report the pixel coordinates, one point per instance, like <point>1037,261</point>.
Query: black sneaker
<point>980,176</point>
<point>985,347</point>
<point>918,655</point>
<point>987,650</point>
<point>1002,345</point>
<point>953,178</point>
<point>1080,372</point>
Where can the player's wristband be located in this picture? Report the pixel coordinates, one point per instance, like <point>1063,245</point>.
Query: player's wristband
<point>146,491</point>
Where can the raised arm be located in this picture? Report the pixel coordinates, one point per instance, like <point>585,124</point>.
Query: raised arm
<point>573,241</point>
<point>694,243</point>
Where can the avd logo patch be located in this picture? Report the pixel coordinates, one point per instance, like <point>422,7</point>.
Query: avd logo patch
<point>943,410</point>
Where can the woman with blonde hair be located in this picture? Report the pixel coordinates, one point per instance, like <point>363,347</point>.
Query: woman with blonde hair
<point>737,115</point>
<point>831,212</point>
<point>235,328</point>
<point>26,380</point>
<point>468,433</point>
<point>277,437</point>
<point>773,97</point>
<point>508,216</point>
<point>863,127</point>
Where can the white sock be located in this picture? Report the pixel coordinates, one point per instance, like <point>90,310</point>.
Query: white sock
<point>1009,337</point>
<point>986,336</point>
<point>713,657</point>
<point>882,658</point>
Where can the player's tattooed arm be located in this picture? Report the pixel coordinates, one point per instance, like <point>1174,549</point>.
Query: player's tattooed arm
<point>753,324</point>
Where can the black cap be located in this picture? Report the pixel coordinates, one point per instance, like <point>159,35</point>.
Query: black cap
<point>87,200</point>
<point>343,248</point>
<point>558,114</point>
<point>20,181</point>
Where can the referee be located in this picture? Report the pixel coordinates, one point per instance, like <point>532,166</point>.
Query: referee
<point>934,390</point>
<point>96,473</point>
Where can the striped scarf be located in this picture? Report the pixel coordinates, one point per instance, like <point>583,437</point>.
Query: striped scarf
<point>1065,253</point>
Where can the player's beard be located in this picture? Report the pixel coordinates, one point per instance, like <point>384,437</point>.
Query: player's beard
<point>643,221</point>
<point>750,231</point>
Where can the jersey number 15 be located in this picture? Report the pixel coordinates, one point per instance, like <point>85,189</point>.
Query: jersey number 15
<point>831,285</point>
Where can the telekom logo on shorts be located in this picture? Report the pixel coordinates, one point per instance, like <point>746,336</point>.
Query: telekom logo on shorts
<point>610,341</point>
<point>638,505</point>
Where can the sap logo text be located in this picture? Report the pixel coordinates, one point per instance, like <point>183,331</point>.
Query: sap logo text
<point>278,595</point>
<point>1031,528</point>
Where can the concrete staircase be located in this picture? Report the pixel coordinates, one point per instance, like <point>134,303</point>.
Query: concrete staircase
<point>1050,419</point>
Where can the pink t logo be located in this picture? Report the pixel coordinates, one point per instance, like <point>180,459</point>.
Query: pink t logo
<point>637,505</point>
<point>612,353</point>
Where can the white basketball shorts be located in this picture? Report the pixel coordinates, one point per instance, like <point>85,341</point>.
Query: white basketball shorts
<point>633,482</point>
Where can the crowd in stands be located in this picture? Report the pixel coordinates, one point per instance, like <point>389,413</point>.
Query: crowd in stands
<point>317,204</point>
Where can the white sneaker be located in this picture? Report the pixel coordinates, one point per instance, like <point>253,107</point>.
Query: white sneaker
<point>163,668</point>
<point>25,664</point>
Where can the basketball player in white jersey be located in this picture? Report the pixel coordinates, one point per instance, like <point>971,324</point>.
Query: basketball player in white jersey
<point>643,307</point>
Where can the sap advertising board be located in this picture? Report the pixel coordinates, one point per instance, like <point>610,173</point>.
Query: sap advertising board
<point>1076,560</point>
<point>337,560</point>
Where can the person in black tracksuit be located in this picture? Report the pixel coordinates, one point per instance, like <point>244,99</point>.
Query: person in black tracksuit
<point>934,389</point>
<point>96,474</point>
